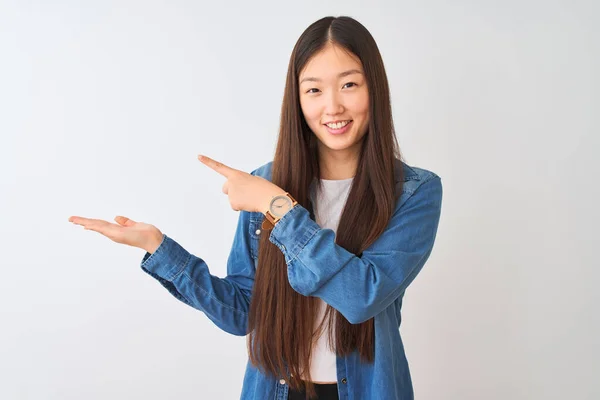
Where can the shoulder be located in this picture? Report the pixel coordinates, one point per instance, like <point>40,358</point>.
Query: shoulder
<point>409,177</point>
<point>264,170</point>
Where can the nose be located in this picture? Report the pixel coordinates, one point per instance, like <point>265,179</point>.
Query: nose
<point>333,105</point>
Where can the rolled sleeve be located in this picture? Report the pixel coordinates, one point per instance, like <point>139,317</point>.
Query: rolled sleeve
<point>168,261</point>
<point>361,286</point>
<point>293,231</point>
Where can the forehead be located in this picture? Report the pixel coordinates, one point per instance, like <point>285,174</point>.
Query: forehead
<point>329,62</point>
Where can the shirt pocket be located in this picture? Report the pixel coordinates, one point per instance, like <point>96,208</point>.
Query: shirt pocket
<point>254,232</point>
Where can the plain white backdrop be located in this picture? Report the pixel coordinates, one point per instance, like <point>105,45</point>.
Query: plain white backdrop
<point>104,106</point>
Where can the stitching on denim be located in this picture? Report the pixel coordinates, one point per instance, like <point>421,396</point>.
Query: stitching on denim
<point>254,223</point>
<point>398,285</point>
<point>172,276</point>
<point>314,232</point>
<point>410,193</point>
<point>297,249</point>
<point>170,287</point>
<point>212,297</point>
<point>187,301</point>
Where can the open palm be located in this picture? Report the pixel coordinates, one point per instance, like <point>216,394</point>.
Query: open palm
<point>125,231</point>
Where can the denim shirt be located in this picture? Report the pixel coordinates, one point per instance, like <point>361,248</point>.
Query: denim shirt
<point>360,288</point>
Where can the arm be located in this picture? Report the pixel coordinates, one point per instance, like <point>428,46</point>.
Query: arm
<point>225,301</point>
<point>361,287</point>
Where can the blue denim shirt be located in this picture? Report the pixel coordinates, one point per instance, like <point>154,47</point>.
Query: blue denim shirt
<point>361,288</point>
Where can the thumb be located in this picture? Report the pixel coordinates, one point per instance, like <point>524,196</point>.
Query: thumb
<point>124,221</point>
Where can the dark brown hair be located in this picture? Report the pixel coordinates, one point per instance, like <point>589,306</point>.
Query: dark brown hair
<point>281,323</point>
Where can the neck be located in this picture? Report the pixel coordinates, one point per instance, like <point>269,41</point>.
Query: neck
<point>338,165</point>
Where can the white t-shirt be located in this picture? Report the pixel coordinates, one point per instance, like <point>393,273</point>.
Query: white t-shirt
<point>328,205</point>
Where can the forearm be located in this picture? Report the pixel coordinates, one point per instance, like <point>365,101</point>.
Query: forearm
<point>187,278</point>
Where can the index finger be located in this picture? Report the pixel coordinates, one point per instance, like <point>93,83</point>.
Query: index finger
<point>217,166</point>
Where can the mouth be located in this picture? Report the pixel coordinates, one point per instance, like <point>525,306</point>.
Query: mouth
<point>338,127</point>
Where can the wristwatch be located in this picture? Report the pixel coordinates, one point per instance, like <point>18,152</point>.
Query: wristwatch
<point>280,205</point>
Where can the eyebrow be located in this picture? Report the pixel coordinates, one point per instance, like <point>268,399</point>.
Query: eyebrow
<point>341,75</point>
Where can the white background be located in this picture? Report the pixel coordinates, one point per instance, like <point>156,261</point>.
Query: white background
<point>104,106</point>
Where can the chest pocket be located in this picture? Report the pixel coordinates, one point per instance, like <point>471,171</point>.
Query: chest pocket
<point>255,230</point>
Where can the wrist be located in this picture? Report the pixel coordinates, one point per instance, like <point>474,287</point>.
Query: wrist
<point>269,197</point>
<point>280,204</point>
<point>154,242</point>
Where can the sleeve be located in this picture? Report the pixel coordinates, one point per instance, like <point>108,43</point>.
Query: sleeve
<point>225,301</point>
<point>361,287</point>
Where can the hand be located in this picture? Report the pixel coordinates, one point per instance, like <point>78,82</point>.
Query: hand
<point>125,231</point>
<point>246,191</point>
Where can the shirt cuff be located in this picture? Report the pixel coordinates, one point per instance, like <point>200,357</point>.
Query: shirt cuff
<point>293,231</point>
<point>168,261</point>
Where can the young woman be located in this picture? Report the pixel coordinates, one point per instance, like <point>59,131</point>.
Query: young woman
<point>329,236</point>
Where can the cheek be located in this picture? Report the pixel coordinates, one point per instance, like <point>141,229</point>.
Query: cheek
<point>361,105</point>
<point>311,113</point>
<point>361,108</point>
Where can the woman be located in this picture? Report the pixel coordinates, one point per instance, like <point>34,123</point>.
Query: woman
<point>330,234</point>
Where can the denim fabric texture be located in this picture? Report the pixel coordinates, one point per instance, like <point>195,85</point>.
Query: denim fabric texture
<point>369,286</point>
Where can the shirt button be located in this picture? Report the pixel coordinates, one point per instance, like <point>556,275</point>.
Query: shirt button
<point>282,381</point>
<point>258,231</point>
<point>344,380</point>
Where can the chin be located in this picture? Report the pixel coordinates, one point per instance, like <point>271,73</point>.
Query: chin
<point>338,146</point>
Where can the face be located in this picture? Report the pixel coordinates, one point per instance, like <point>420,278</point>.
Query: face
<point>335,101</point>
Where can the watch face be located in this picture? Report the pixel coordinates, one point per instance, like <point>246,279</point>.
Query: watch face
<point>280,205</point>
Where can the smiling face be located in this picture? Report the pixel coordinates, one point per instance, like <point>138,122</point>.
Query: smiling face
<point>335,102</point>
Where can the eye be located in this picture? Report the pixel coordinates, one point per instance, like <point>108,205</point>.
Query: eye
<point>350,83</point>
<point>309,90</point>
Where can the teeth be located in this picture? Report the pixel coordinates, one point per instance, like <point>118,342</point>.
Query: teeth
<point>338,125</point>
